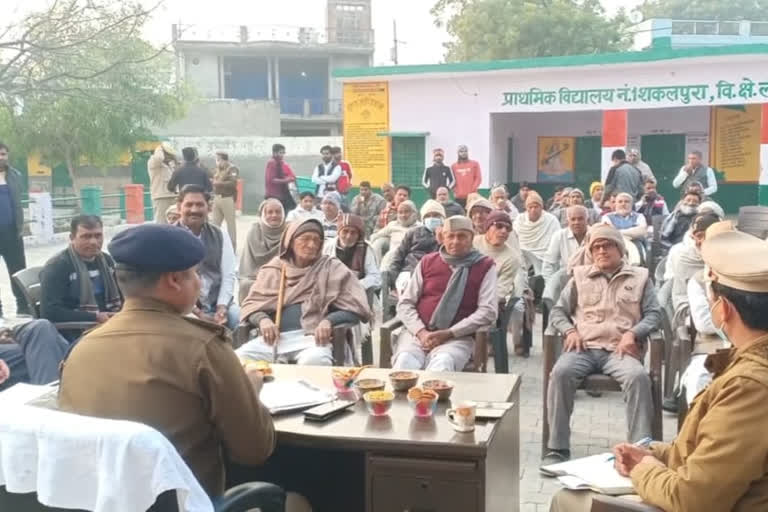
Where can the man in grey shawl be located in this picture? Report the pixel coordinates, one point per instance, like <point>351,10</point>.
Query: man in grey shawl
<point>450,296</point>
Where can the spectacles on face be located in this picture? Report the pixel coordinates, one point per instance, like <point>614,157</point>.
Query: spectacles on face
<point>308,238</point>
<point>603,246</point>
<point>502,225</point>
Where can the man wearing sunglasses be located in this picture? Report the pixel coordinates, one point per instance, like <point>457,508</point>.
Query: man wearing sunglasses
<point>604,313</point>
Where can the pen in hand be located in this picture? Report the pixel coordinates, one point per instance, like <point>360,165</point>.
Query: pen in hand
<point>643,443</point>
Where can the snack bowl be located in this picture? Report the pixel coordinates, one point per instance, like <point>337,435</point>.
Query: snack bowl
<point>422,401</point>
<point>365,385</point>
<point>343,378</point>
<point>443,388</point>
<point>378,402</point>
<point>403,381</point>
<point>263,367</point>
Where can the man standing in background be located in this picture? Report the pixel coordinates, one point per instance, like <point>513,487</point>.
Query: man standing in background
<point>439,175</point>
<point>467,174</point>
<point>160,167</point>
<point>190,173</point>
<point>633,157</point>
<point>696,172</point>
<point>277,176</point>
<point>326,174</point>
<point>225,194</point>
<point>11,226</point>
<point>344,183</point>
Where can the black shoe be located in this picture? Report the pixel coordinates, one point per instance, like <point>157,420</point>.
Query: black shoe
<point>553,457</point>
<point>669,404</point>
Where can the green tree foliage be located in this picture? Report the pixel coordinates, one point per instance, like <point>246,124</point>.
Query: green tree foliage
<point>505,29</point>
<point>756,10</point>
<point>79,83</point>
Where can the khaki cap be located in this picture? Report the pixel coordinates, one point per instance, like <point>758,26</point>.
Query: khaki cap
<point>458,223</point>
<point>736,259</point>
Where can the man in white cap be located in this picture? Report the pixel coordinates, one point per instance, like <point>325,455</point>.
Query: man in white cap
<point>450,296</point>
<point>160,167</point>
<point>605,312</point>
<point>717,460</point>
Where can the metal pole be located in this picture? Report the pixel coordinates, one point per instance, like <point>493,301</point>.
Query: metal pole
<point>394,42</point>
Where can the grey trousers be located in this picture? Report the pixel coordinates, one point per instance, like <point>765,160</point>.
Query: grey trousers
<point>572,367</point>
<point>36,355</point>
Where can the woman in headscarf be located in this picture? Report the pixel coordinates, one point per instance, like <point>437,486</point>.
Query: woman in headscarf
<point>351,249</point>
<point>394,232</point>
<point>262,243</point>
<point>319,292</point>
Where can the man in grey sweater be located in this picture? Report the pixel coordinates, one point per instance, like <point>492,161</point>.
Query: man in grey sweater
<point>623,177</point>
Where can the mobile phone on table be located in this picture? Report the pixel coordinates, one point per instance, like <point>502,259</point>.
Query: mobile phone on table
<point>327,411</point>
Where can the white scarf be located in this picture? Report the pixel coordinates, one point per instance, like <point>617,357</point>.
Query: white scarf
<point>535,236</point>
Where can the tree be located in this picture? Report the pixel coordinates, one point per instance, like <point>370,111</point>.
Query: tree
<point>504,29</point>
<point>89,94</point>
<point>756,10</point>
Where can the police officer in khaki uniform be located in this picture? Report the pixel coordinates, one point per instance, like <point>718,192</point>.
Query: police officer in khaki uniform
<point>718,460</point>
<point>152,364</point>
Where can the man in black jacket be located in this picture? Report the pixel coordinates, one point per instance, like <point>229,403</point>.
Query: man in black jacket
<point>190,173</point>
<point>439,175</point>
<point>78,284</point>
<point>11,226</point>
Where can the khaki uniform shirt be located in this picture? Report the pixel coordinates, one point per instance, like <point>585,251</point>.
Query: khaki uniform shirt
<point>719,460</point>
<point>179,375</point>
<point>159,175</point>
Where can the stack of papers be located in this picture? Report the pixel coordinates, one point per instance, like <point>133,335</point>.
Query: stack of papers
<point>292,395</point>
<point>595,473</point>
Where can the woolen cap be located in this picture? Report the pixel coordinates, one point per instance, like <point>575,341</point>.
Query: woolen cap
<point>480,203</point>
<point>432,206</point>
<point>497,216</point>
<point>736,259</point>
<point>349,220</point>
<point>156,248</point>
<point>605,232</point>
<point>458,223</point>
<point>593,186</point>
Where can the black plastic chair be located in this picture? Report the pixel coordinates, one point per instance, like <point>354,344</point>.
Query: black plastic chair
<point>28,281</point>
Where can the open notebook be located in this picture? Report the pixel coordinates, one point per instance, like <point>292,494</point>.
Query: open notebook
<point>292,395</point>
<point>595,473</point>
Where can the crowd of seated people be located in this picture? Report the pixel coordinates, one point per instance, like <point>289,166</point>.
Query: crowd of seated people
<point>304,272</point>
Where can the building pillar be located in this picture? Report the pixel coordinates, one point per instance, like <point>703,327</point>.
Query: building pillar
<point>763,193</point>
<point>276,73</point>
<point>270,91</point>
<point>614,137</point>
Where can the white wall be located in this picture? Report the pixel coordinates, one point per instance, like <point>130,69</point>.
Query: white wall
<point>525,128</point>
<point>203,76</point>
<point>455,107</point>
<point>451,117</point>
<point>343,61</point>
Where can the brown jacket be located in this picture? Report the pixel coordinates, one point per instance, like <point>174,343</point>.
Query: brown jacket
<point>602,309</point>
<point>159,175</point>
<point>719,460</point>
<point>176,374</point>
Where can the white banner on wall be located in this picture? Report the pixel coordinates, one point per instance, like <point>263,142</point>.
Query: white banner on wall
<point>607,95</point>
<point>41,216</point>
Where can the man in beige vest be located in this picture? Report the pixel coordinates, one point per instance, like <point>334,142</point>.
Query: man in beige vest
<point>605,312</point>
<point>160,167</point>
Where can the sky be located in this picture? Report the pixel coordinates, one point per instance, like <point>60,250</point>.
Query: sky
<point>421,41</point>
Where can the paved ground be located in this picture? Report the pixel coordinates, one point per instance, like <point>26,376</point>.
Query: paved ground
<point>598,423</point>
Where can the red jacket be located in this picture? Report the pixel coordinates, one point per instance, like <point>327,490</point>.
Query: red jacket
<point>272,189</point>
